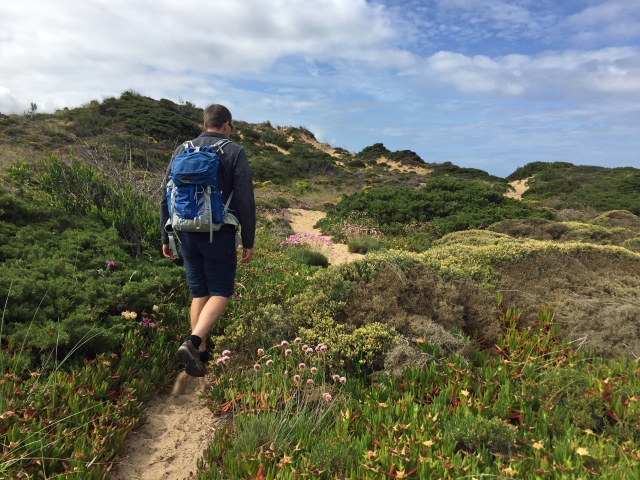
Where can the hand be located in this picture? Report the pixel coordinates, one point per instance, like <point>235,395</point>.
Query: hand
<point>247,253</point>
<point>167,252</point>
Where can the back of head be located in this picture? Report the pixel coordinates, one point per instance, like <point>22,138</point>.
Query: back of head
<point>215,115</point>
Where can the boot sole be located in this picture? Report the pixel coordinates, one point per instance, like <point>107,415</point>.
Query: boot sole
<point>193,366</point>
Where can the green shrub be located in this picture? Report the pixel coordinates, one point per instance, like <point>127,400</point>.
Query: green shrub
<point>470,433</point>
<point>308,257</point>
<point>60,291</point>
<point>363,244</point>
<point>82,191</point>
<point>445,204</point>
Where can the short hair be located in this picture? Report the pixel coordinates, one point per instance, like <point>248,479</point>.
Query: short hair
<point>215,115</point>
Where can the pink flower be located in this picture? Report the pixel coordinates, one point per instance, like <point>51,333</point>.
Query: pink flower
<point>225,353</point>
<point>296,378</point>
<point>304,347</point>
<point>327,397</point>
<point>269,362</point>
<point>287,352</point>
<point>297,340</point>
<point>226,359</point>
<point>323,348</point>
<point>284,343</point>
<point>220,361</point>
<point>309,382</point>
<point>256,367</point>
<point>343,380</point>
<point>301,366</point>
<point>318,347</point>
<point>260,351</point>
<point>309,350</point>
<point>335,378</point>
<point>314,370</point>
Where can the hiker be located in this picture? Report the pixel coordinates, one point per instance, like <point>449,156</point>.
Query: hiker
<point>210,254</point>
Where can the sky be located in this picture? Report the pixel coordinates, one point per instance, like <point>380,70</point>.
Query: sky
<point>489,84</point>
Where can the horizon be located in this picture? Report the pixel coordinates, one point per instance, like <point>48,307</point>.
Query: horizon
<point>485,84</point>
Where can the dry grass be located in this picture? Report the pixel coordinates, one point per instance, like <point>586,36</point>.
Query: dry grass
<point>423,305</point>
<point>596,298</point>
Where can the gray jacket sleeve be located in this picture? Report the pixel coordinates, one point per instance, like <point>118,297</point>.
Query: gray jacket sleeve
<point>244,203</point>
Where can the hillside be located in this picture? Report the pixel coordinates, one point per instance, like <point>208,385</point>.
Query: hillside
<point>472,334</point>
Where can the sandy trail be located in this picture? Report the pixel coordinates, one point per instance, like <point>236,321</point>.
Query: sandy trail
<point>302,221</point>
<point>178,428</point>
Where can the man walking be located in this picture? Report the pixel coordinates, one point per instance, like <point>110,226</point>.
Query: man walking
<point>210,259</point>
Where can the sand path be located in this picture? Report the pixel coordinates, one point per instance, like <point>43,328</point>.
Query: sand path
<point>302,221</point>
<point>177,429</point>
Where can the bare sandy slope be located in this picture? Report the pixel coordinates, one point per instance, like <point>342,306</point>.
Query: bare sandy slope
<point>405,168</point>
<point>323,147</point>
<point>302,221</point>
<point>177,429</point>
<point>520,186</point>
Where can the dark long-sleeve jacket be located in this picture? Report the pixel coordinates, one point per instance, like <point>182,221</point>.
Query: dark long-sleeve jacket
<point>234,176</point>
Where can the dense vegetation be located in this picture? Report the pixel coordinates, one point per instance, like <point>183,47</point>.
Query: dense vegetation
<point>374,152</point>
<point>447,205</point>
<point>582,186</point>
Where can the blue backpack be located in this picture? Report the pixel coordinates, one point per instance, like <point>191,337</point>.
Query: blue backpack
<point>193,196</point>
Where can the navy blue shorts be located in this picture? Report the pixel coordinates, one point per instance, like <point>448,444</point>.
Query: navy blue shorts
<point>211,267</point>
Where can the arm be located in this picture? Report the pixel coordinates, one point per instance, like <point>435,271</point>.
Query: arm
<point>244,202</point>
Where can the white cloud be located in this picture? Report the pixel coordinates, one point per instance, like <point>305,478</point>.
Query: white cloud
<point>612,20</point>
<point>9,102</point>
<point>75,48</point>
<point>559,75</point>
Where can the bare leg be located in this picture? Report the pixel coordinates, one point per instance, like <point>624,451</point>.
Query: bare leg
<point>205,312</point>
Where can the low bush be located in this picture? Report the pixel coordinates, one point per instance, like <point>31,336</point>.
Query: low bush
<point>447,205</point>
<point>308,257</point>
<point>64,282</point>
<point>114,201</point>
<point>363,244</point>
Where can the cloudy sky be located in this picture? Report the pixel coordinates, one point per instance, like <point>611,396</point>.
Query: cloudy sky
<point>488,84</point>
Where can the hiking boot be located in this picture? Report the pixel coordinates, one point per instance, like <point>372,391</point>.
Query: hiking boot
<point>190,356</point>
